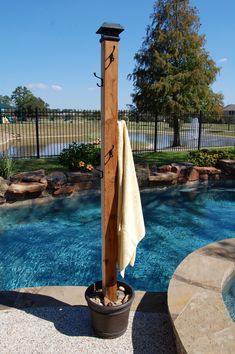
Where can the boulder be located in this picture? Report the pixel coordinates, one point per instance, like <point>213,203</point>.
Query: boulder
<point>142,174</point>
<point>75,177</point>
<point>176,169</point>
<point>32,176</point>
<point>207,170</point>
<point>164,177</point>
<point>153,170</point>
<point>193,175</point>
<point>66,190</point>
<point>164,168</point>
<point>3,187</point>
<point>56,180</point>
<point>184,171</point>
<point>227,166</point>
<point>186,174</point>
<point>22,187</point>
<point>79,186</point>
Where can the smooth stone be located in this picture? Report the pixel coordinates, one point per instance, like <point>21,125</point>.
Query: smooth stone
<point>56,180</point>
<point>163,177</point>
<point>21,188</point>
<point>32,176</point>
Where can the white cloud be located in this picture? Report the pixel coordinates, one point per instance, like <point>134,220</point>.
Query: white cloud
<point>56,87</point>
<point>38,85</point>
<point>223,60</point>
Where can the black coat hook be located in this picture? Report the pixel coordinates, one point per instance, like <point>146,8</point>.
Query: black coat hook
<point>102,81</point>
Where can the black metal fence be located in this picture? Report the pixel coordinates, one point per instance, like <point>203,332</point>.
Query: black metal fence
<point>27,134</point>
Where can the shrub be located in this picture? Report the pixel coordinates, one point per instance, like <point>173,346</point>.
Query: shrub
<point>80,157</point>
<point>6,166</point>
<point>207,157</point>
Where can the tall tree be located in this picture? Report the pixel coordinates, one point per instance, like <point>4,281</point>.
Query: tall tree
<point>173,71</point>
<point>24,99</point>
<point>5,100</point>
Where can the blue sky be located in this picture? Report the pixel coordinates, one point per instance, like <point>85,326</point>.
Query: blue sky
<point>51,47</point>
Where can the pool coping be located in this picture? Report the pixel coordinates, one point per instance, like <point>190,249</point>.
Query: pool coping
<point>199,316</point>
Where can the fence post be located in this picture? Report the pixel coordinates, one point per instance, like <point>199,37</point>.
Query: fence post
<point>200,130</point>
<point>155,132</point>
<point>37,134</point>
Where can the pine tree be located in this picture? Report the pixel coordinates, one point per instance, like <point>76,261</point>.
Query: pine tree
<point>173,72</point>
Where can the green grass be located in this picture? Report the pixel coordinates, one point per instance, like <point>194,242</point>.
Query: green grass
<point>48,164</point>
<point>161,157</point>
<point>168,157</point>
<point>158,158</point>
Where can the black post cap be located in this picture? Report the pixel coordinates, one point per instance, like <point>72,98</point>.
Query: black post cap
<point>110,31</point>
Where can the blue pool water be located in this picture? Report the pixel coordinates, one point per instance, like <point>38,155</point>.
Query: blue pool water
<point>229,297</point>
<point>59,243</point>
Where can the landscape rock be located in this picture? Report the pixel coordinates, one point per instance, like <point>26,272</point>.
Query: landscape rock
<point>66,190</point>
<point>32,176</point>
<point>56,180</point>
<point>184,172</point>
<point>3,187</point>
<point>153,170</point>
<point>176,169</point>
<point>207,170</point>
<point>193,175</point>
<point>164,168</point>
<point>227,166</point>
<point>164,177</point>
<point>2,200</point>
<point>142,174</point>
<point>83,186</point>
<point>22,187</point>
<point>75,177</point>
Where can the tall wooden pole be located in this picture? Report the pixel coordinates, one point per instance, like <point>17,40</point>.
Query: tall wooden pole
<point>109,117</point>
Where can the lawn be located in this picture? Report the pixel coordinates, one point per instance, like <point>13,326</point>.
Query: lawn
<point>158,158</point>
<point>48,164</point>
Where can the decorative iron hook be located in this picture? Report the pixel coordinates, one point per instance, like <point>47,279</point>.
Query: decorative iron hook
<point>110,58</point>
<point>102,81</point>
<point>110,155</point>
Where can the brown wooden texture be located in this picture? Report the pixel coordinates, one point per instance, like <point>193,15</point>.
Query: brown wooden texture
<point>109,113</point>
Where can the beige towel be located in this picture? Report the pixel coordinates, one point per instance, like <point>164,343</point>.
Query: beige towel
<point>130,216</point>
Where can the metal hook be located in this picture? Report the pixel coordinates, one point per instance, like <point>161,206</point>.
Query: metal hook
<point>110,58</point>
<point>100,80</point>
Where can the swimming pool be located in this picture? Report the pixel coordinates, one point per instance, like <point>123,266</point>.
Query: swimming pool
<point>59,243</point>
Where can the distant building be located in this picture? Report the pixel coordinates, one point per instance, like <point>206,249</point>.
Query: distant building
<point>229,110</point>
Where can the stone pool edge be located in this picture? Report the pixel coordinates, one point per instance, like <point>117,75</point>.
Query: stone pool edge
<point>199,316</point>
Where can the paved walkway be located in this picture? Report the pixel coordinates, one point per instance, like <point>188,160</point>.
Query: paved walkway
<point>38,323</point>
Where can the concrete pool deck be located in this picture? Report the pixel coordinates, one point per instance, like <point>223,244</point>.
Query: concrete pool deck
<point>56,320</point>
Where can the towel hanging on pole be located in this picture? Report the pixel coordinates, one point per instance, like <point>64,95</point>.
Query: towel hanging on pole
<point>130,221</point>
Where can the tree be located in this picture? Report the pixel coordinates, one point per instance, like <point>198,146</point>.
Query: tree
<point>5,100</point>
<point>24,99</point>
<point>173,72</point>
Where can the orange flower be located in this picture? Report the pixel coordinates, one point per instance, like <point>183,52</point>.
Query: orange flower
<point>90,167</point>
<point>81,164</point>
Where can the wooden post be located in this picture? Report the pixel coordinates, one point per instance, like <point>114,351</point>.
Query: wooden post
<point>109,116</point>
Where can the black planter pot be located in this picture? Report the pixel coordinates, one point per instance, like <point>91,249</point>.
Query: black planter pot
<point>109,321</point>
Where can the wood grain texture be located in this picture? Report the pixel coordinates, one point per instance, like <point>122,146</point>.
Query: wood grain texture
<point>109,113</point>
